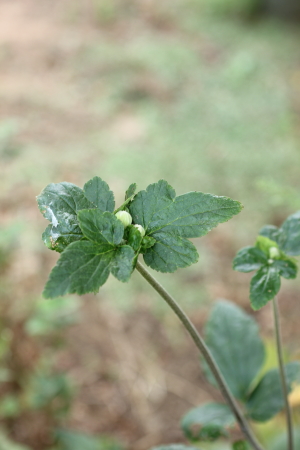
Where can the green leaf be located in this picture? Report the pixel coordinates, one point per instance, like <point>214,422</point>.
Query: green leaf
<point>271,232</point>
<point>170,252</point>
<point>240,445</point>
<point>170,220</point>
<point>207,422</point>
<point>72,440</point>
<point>248,259</point>
<point>267,400</point>
<point>97,191</point>
<point>133,237</point>
<point>130,191</point>
<point>264,244</point>
<point>85,266</point>
<point>287,268</point>
<point>58,238</point>
<point>233,339</point>
<point>264,286</point>
<point>290,238</point>
<point>174,447</point>
<point>279,442</point>
<point>147,242</point>
<point>59,203</point>
<point>190,215</point>
<point>101,227</point>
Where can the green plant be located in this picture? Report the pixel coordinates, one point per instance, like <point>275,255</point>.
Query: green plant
<point>95,239</point>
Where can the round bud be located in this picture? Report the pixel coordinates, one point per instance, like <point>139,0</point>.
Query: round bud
<point>141,229</point>
<point>274,253</point>
<point>124,217</point>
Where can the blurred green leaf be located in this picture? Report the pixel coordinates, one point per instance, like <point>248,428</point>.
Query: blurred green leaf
<point>51,316</point>
<point>207,422</point>
<point>43,390</point>
<point>264,286</point>
<point>233,339</point>
<point>280,442</point>
<point>240,445</point>
<point>10,406</point>
<point>72,440</point>
<point>266,400</point>
<point>248,259</point>
<point>290,237</point>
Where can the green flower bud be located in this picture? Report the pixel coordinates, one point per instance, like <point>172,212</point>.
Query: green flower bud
<point>141,229</point>
<point>274,253</point>
<point>124,217</point>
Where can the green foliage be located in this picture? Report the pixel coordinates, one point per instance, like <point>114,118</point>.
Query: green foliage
<point>94,243</point>
<point>271,258</point>
<point>287,236</point>
<point>266,400</point>
<point>207,422</point>
<point>71,440</point>
<point>233,339</point>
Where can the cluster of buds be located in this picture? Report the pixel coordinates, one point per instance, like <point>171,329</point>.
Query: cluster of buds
<point>126,220</point>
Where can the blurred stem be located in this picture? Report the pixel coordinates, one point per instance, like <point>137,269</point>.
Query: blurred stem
<point>288,411</point>
<point>206,354</point>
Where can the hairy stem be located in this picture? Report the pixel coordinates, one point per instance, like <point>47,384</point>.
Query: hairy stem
<point>206,354</point>
<point>288,411</point>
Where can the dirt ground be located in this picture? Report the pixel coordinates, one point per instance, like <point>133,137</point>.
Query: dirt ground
<point>132,382</point>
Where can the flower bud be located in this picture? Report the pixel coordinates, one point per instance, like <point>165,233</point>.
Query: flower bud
<point>124,217</point>
<point>141,229</point>
<point>274,253</point>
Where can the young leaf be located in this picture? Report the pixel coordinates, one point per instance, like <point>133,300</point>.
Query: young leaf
<point>101,227</point>
<point>59,203</point>
<point>130,191</point>
<point>133,237</point>
<point>290,240</point>
<point>207,422</point>
<point>170,252</point>
<point>265,244</point>
<point>266,400</point>
<point>84,266</point>
<point>97,191</point>
<point>248,259</point>
<point>264,286</point>
<point>233,339</point>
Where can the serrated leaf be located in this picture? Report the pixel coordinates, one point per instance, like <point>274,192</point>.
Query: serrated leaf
<point>85,266</point>
<point>170,252</point>
<point>233,339</point>
<point>249,259</point>
<point>58,238</point>
<point>264,286</point>
<point>287,268</point>
<point>130,191</point>
<point>122,264</point>
<point>97,191</point>
<point>101,227</point>
<point>175,447</point>
<point>207,422</point>
<point>59,203</point>
<point>290,239</point>
<point>267,400</point>
<point>169,220</point>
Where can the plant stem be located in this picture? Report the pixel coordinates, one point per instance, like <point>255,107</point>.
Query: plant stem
<point>206,354</point>
<point>288,411</point>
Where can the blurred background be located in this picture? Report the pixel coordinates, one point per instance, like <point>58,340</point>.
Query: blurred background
<point>202,93</point>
